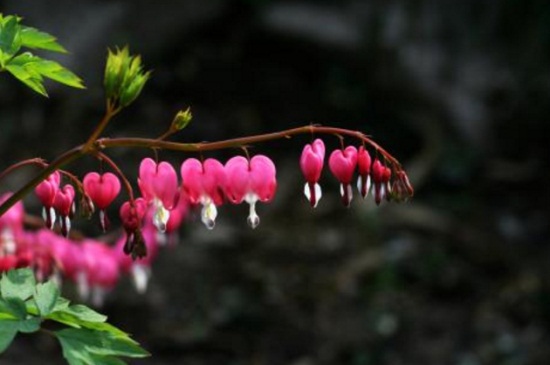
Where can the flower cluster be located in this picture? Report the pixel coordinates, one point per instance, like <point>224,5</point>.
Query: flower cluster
<point>388,182</point>
<point>153,219</point>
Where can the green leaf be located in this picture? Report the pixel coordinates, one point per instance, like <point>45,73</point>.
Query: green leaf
<point>33,81</point>
<point>33,38</point>
<point>10,38</point>
<point>46,297</point>
<point>17,283</point>
<point>8,330</point>
<point>85,314</point>
<point>93,347</point>
<point>78,316</point>
<point>14,307</point>
<point>56,72</point>
<point>30,325</point>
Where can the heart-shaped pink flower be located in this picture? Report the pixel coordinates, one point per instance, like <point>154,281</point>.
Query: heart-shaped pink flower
<point>102,189</point>
<point>342,165</point>
<point>251,181</point>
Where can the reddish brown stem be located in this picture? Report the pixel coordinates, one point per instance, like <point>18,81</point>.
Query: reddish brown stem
<point>15,166</point>
<point>119,172</point>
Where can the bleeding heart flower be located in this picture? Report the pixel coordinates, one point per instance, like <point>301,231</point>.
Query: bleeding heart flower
<point>100,268</point>
<point>342,165</point>
<point>64,205</point>
<point>102,190</point>
<point>46,192</point>
<point>132,214</point>
<point>381,176</point>
<point>311,164</point>
<point>363,165</point>
<point>203,183</point>
<point>159,186</point>
<point>250,181</point>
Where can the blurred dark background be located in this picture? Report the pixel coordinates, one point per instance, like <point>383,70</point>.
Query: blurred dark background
<point>456,90</point>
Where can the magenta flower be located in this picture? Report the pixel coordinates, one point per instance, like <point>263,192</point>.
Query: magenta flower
<point>101,270</point>
<point>46,191</point>
<point>251,181</point>
<point>102,190</point>
<point>64,205</point>
<point>342,165</point>
<point>363,165</point>
<point>311,164</point>
<point>203,183</point>
<point>139,268</point>
<point>11,225</point>
<point>381,176</point>
<point>159,186</point>
<point>132,214</point>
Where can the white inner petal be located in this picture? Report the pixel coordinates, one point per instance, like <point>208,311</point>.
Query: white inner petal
<point>209,213</point>
<point>82,285</point>
<point>161,216</point>
<point>140,277</point>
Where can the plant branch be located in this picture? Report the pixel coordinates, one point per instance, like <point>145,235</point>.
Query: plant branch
<point>62,160</point>
<point>242,141</point>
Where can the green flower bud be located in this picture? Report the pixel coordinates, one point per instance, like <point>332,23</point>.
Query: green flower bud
<point>182,119</point>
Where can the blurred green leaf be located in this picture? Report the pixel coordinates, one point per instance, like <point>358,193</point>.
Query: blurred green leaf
<point>14,307</point>
<point>96,347</point>
<point>33,38</point>
<point>46,297</point>
<point>17,283</point>
<point>29,325</point>
<point>8,330</point>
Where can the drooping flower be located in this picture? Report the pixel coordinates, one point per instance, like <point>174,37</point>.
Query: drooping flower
<point>159,186</point>
<point>100,268</point>
<point>363,166</point>
<point>311,164</point>
<point>401,189</point>
<point>46,192</point>
<point>342,165</point>
<point>102,190</point>
<point>132,214</point>
<point>381,176</point>
<point>251,181</point>
<point>11,224</point>
<point>203,183</point>
<point>139,268</point>
<point>64,205</point>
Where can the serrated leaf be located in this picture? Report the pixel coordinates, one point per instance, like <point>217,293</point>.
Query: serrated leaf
<point>17,283</point>
<point>56,72</point>
<point>8,330</point>
<point>10,38</point>
<point>34,38</point>
<point>84,313</point>
<point>35,83</point>
<point>29,325</point>
<point>45,297</point>
<point>79,344</point>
